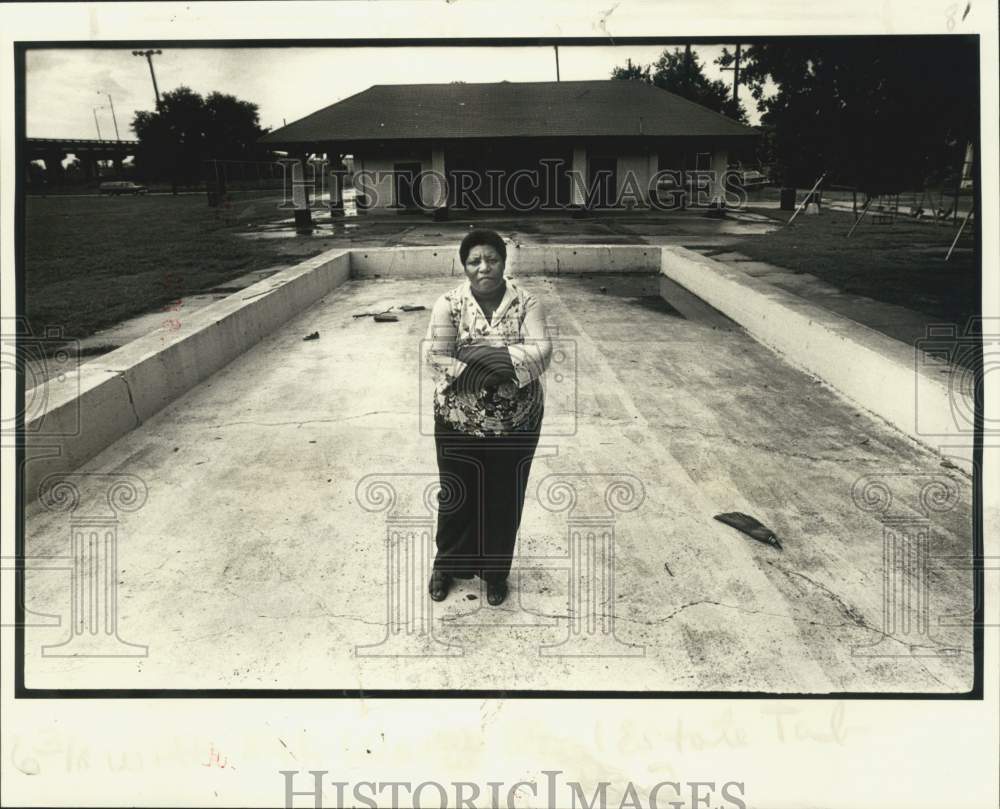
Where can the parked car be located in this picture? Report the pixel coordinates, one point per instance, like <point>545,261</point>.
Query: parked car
<point>752,178</point>
<point>116,187</point>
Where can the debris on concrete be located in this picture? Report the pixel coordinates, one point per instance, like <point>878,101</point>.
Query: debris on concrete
<point>313,336</point>
<point>386,317</point>
<point>751,527</point>
<point>471,596</point>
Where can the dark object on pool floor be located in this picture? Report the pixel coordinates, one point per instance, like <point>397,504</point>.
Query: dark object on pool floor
<point>385,317</point>
<point>313,336</point>
<point>751,527</point>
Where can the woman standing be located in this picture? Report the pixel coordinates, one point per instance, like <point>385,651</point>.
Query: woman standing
<point>487,349</point>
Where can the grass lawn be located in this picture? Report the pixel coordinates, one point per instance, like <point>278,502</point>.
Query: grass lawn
<point>91,262</point>
<point>901,263</point>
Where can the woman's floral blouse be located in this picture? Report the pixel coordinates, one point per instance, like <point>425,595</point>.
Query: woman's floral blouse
<point>518,323</point>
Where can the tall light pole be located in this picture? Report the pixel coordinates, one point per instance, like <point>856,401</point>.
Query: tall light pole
<point>96,123</point>
<point>149,58</point>
<point>113,116</point>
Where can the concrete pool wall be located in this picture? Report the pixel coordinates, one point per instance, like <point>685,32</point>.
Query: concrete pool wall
<point>120,390</point>
<point>917,394</point>
<point>415,262</point>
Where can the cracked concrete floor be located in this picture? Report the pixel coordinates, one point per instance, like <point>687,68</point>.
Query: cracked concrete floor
<point>254,563</point>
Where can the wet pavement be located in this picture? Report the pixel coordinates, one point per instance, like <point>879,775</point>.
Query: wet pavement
<point>259,556</point>
<point>387,229</point>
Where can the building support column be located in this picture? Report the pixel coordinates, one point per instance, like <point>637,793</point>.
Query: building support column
<point>578,179</point>
<point>338,176</point>
<point>720,164</point>
<point>652,166</point>
<point>434,186</point>
<point>54,172</point>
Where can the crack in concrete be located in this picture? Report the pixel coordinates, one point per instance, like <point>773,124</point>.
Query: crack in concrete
<point>324,609</point>
<point>855,616</point>
<point>856,620</point>
<point>131,401</point>
<point>761,445</point>
<point>312,421</point>
<point>859,620</point>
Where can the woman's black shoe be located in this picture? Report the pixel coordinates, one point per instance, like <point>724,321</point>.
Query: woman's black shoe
<point>496,592</point>
<point>440,585</point>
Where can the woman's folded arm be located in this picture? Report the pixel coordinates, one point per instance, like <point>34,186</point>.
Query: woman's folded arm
<point>439,345</point>
<point>532,357</point>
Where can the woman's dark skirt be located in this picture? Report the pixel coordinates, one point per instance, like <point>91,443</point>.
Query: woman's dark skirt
<point>483,481</point>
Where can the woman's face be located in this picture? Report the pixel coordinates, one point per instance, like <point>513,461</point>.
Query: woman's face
<point>484,268</point>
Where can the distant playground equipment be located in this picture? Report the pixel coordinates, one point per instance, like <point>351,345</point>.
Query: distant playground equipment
<point>810,202</point>
<point>885,206</point>
<point>228,181</point>
<point>884,209</point>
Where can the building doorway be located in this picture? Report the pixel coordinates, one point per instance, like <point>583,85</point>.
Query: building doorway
<point>405,186</point>
<point>603,182</point>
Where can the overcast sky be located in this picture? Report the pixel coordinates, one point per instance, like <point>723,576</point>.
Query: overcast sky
<point>64,86</point>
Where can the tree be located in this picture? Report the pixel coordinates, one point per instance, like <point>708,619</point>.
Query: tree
<point>186,130</point>
<point>633,72</point>
<point>681,72</point>
<point>874,113</point>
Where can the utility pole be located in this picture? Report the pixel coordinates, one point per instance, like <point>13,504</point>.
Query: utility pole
<point>736,78</point>
<point>113,116</point>
<point>97,124</point>
<point>557,61</point>
<point>149,58</point>
<point>687,65</point>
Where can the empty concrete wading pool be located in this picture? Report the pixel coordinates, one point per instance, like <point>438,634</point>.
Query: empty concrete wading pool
<point>235,506</point>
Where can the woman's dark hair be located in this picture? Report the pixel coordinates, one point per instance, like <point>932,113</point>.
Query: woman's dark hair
<point>482,236</point>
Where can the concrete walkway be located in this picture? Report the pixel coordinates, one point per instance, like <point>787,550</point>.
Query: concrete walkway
<point>253,564</point>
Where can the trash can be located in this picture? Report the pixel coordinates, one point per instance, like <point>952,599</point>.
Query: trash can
<point>788,199</point>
